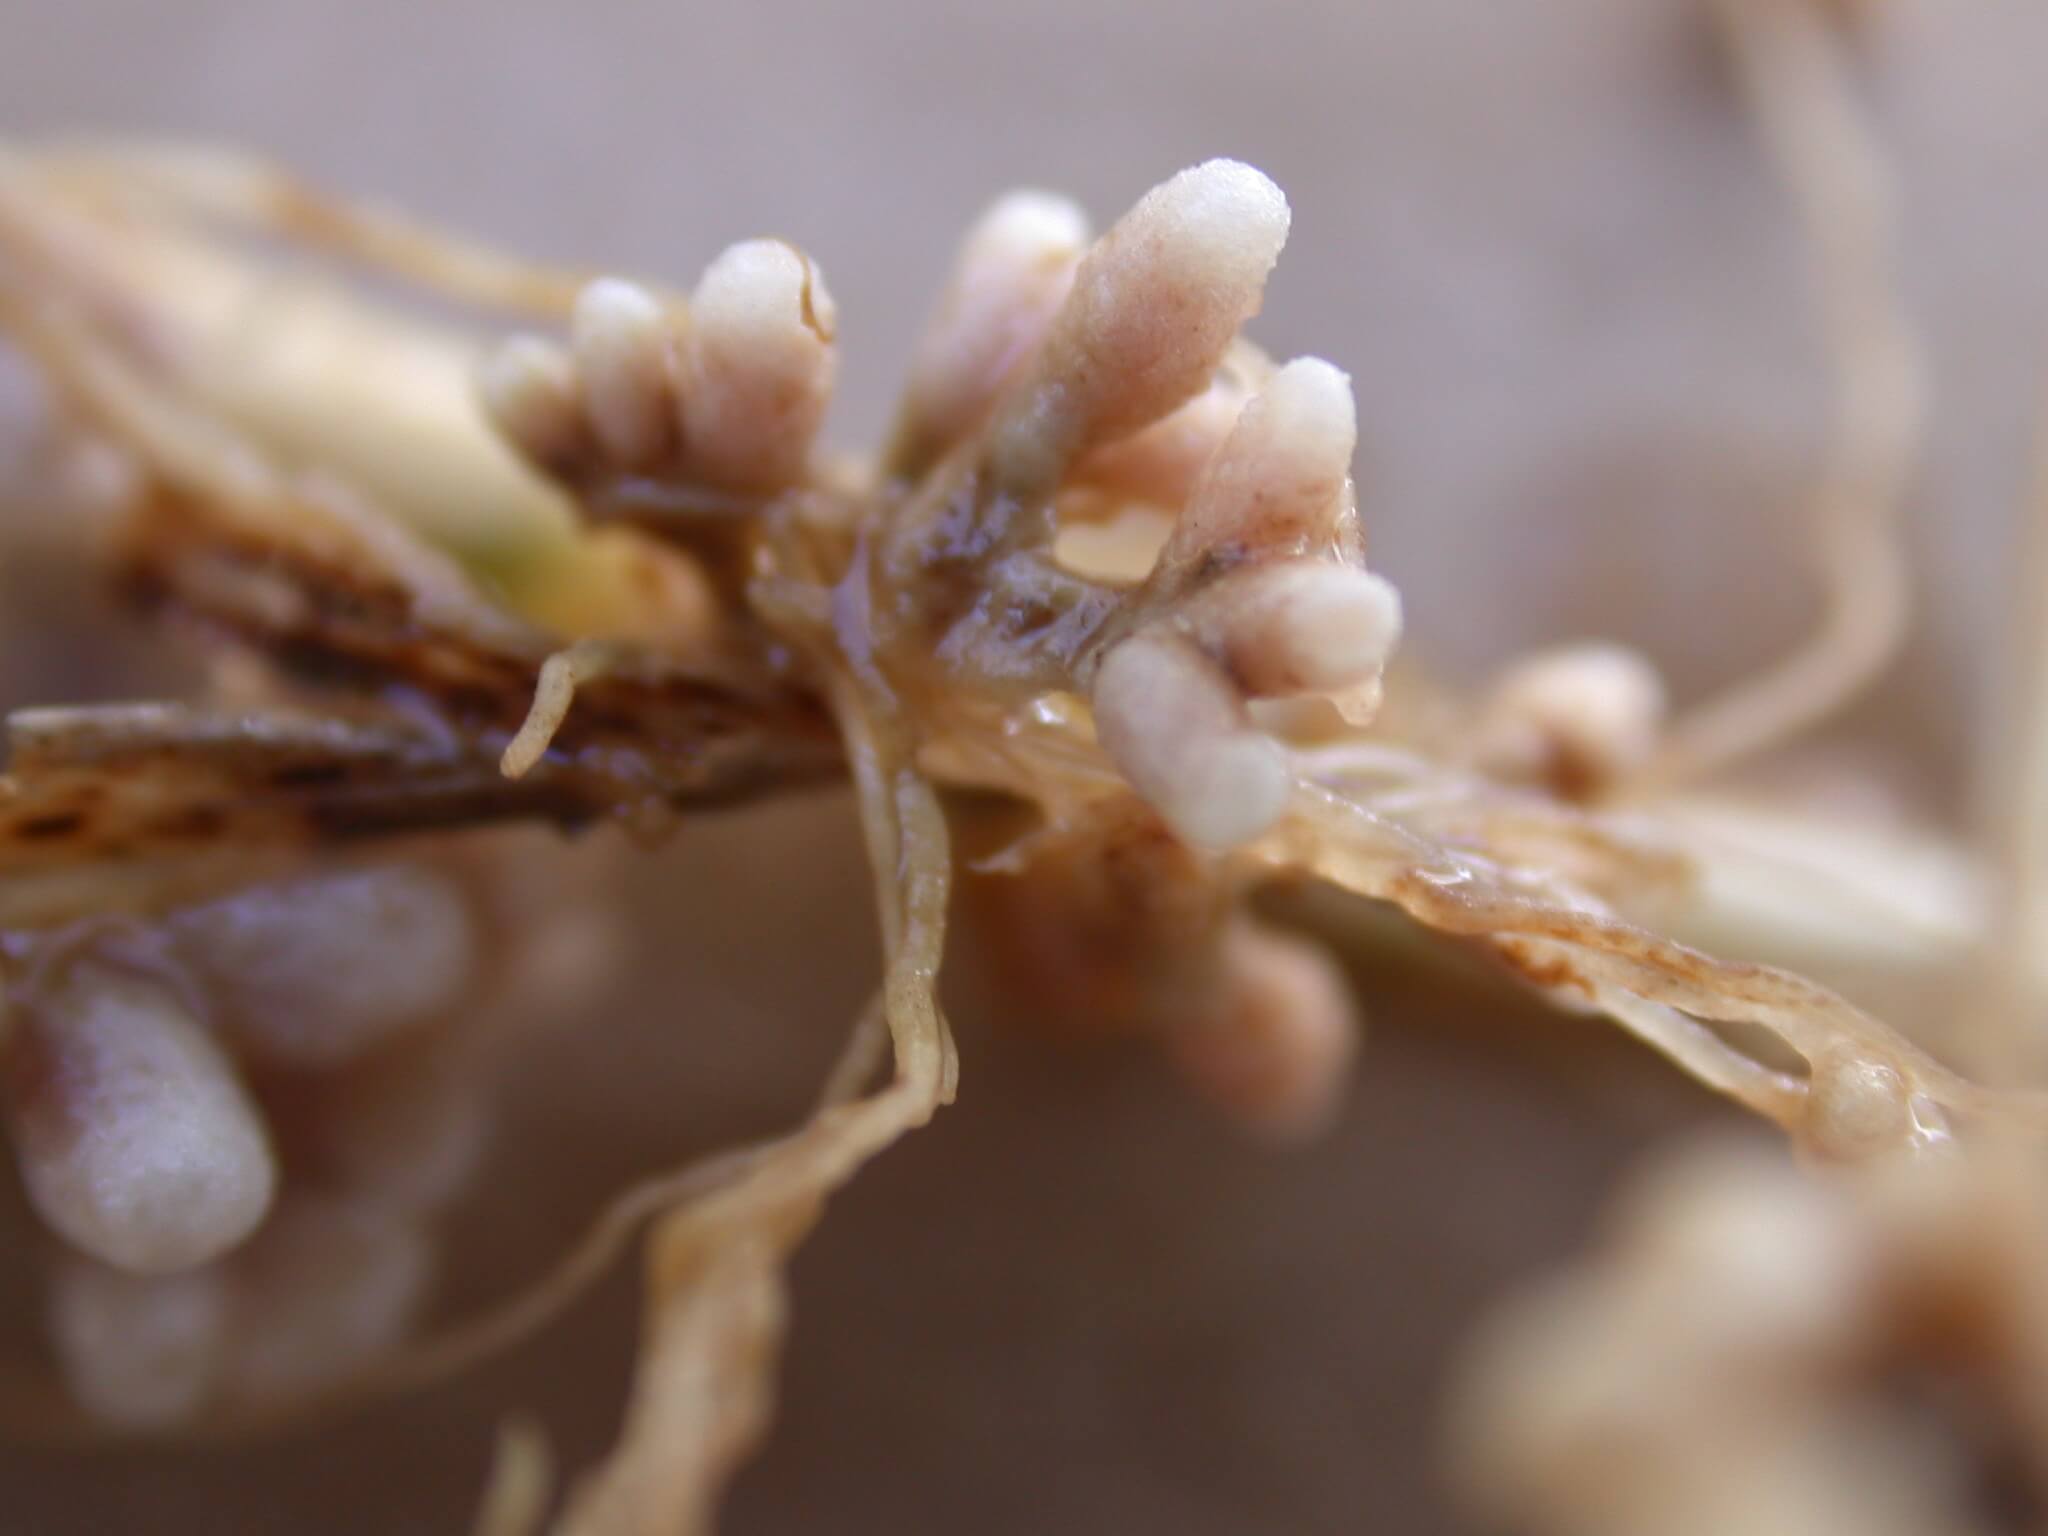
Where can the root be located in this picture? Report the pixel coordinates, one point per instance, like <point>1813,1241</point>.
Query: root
<point>2001,1017</point>
<point>607,1238</point>
<point>1565,943</point>
<point>1838,178</point>
<point>522,1475</point>
<point>560,676</point>
<point>240,189</point>
<point>716,1304</point>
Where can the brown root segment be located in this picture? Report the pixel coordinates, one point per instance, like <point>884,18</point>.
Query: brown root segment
<point>669,599</point>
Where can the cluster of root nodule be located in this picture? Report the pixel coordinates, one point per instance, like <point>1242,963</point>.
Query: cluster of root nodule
<point>239,1115</point>
<point>1064,388</point>
<point>1109,568</point>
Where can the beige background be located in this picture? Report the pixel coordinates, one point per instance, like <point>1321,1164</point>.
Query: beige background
<point>1541,240</point>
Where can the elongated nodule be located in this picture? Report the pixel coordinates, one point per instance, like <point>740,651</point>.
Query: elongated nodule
<point>1013,270</point>
<point>1174,725</point>
<point>623,345</point>
<point>531,391</point>
<point>1154,305</point>
<point>1277,484</point>
<point>757,365</point>
<point>315,971</point>
<point>136,1141</point>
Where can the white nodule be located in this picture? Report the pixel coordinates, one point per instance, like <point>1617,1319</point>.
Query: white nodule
<point>1856,1107</point>
<point>1154,306</point>
<point>314,971</point>
<point>529,389</point>
<point>1170,721</point>
<point>1597,708</point>
<point>1230,218</point>
<point>1304,627</point>
<point>757,366</point>
<point>622,343</point>
<point>1278,481</point>
<point>137,1142</point>
<point>1341,625</point>
<point>1013,270</point>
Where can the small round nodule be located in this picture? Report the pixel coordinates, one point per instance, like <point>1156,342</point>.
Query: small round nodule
<point>137,1142</point>
<point>1856,1106</point>
<point>1580,717</point>
<point>1276,1053</point>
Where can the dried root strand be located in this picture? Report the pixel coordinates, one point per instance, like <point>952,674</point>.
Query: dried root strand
<point>224,184</point>
<point>716,1302</point>
<point>1861,1074</point>
<point>1792,71</point>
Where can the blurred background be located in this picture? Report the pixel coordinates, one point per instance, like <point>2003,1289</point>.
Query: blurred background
<point>1543,242</point>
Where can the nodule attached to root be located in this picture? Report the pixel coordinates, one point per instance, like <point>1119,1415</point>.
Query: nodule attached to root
<point>728,393</point>
<point>1013,270</point>
<point>1153,306</point>
<point>623,344</point>
<point>757,365</point>
<point>137,1142</point>
<point>313,971</point>
<point>1278,485</point>
<point>1275,1049</point>
<point>1257,594</point>
<point>1579,719</point>
<point>1172,722</point>
<point>529,388</point>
